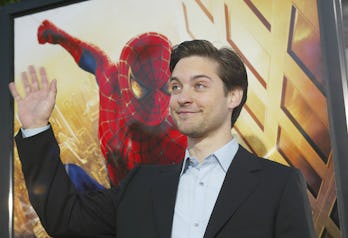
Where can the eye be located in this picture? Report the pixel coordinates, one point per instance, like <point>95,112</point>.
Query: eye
<point>174,87</point>
<point>200,85</point>
<point>166,88</point>
<point>138,90</point>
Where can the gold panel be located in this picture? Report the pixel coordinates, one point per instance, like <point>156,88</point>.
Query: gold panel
<point>263,10</point>
<point>295,156</point>
<point>304,47</point>
<point>305,119</point>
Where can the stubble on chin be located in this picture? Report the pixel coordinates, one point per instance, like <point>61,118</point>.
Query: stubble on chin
<point>189,128</point>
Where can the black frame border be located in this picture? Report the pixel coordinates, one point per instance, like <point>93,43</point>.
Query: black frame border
<point>335,71</point>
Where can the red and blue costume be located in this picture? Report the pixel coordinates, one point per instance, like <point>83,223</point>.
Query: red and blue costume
<point>134,122</point>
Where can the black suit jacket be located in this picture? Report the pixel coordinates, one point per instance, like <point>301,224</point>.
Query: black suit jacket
<point>259,198</point>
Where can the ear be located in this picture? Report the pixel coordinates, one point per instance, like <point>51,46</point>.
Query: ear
<point>234,98</point>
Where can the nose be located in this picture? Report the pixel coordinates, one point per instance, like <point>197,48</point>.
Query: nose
<point>184,97</point>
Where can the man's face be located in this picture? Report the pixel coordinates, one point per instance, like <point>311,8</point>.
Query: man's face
<point>198,103</point>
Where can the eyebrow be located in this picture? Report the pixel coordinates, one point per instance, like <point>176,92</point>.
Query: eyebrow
<point>192,78</point>
<point>173,78</point>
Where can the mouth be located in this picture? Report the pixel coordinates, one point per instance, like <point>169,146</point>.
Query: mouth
<point>185,114</point>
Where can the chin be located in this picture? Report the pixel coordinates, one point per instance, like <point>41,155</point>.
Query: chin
<point>190,132</point>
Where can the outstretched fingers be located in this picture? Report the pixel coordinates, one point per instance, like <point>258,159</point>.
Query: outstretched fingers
<point>44,80</point>
<point>14,91</point>
<point>51,87</point>
<point>26,83</point>
<point>34,78</point>
<point>52,90</point>
<point>32,85</point>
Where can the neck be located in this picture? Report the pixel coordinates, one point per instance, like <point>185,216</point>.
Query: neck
<point>200,148</point>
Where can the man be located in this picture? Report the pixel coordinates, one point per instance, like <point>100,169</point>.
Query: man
<point>220,189</point>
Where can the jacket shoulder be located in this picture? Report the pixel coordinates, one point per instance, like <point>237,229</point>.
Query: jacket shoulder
<point>269,166</point>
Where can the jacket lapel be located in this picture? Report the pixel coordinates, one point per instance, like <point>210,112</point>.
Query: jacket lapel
<point>164,196</point>
<point>239,183</point>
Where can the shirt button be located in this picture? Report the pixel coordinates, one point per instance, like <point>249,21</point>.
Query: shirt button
<point>201,183</point>
<point>196,225</point>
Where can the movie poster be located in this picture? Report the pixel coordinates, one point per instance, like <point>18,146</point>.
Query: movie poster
<point>110,61</point>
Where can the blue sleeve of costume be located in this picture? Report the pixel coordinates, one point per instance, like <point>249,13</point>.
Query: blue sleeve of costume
<point>87,62</point>
<point>82,181</point>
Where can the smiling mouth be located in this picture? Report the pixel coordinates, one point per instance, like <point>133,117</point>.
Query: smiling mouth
<point>184,115</point>
<point>185,112</point>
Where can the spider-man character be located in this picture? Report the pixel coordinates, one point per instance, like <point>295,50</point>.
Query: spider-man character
<point>134,122</point>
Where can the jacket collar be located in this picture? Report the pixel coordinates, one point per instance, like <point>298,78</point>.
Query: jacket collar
<point>240,181</point>
<point>243,168</point>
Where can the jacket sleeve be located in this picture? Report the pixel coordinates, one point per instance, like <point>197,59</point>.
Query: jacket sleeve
<point>62,210</point>
<point>294,216</point>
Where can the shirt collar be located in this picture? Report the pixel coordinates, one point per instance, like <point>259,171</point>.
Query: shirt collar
<point>224,156</point>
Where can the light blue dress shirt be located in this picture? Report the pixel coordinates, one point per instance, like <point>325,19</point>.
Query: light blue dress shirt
<point>32,132</point>
<point>198,189</point>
